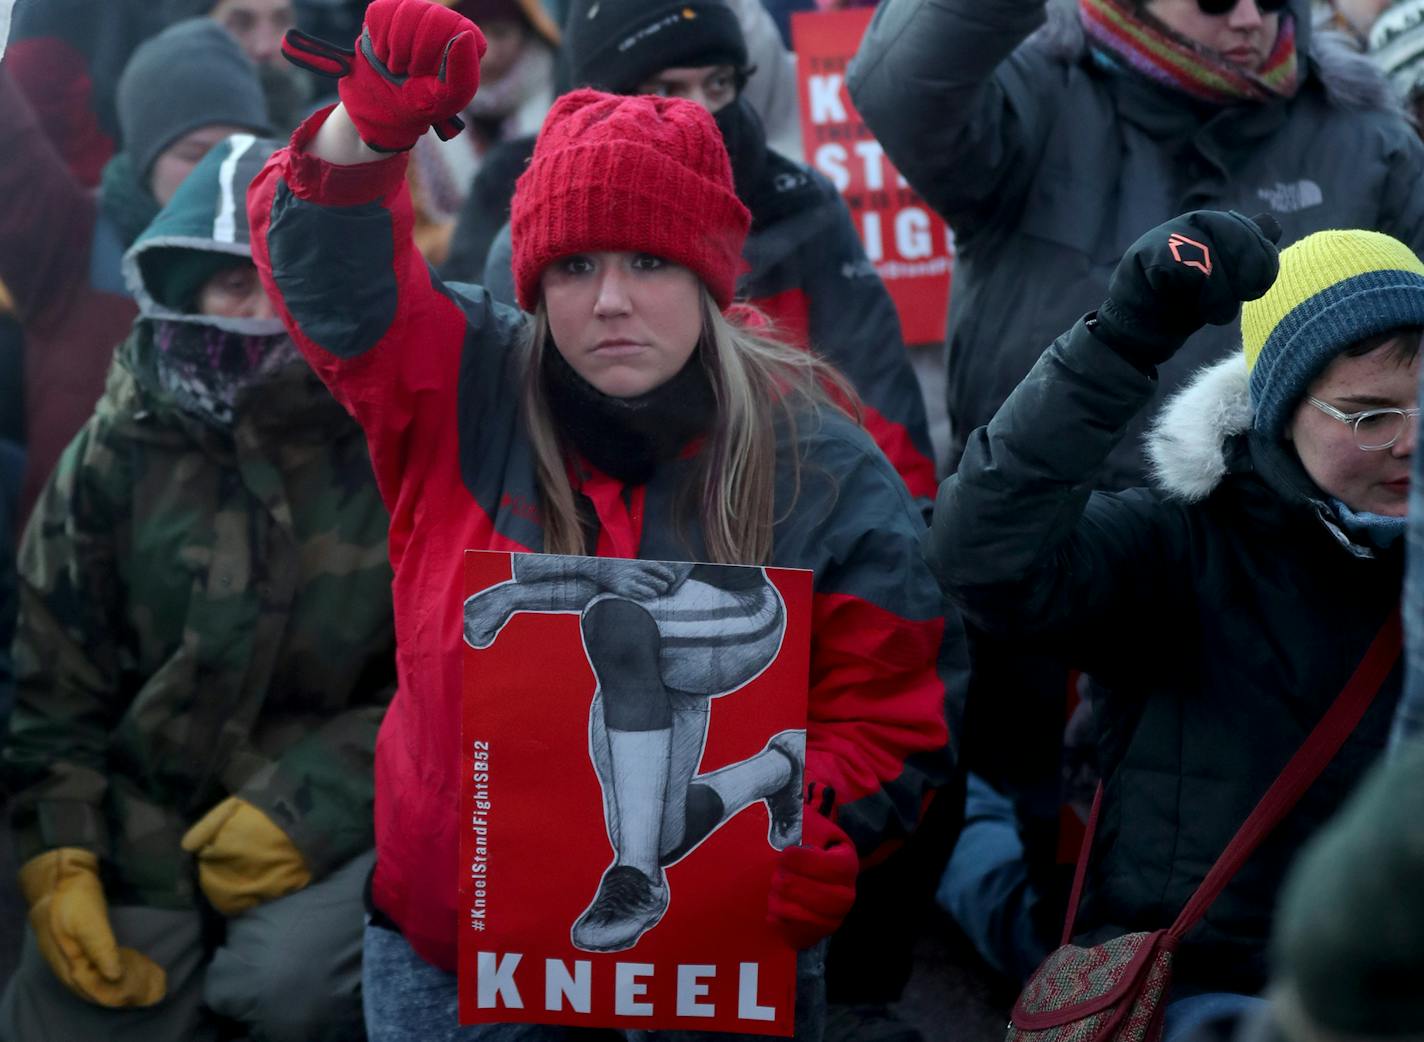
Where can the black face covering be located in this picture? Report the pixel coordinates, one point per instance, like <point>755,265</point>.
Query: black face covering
<point>745,138</point>
<point>768,184</point>
<point>627,438</point>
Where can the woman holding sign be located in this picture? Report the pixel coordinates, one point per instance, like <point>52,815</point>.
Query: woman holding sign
<point>634,413</point>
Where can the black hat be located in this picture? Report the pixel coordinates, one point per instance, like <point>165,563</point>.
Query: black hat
<point>615,45</point>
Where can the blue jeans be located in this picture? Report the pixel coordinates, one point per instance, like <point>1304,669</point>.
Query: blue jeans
<point>986,888</point>
<point>1185,1016</point>
<point>409,1000</point>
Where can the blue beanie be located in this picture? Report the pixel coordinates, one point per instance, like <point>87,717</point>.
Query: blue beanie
<point>1335,288</point>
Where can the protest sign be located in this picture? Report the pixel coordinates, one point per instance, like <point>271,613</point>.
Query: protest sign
<point>633,741</point>
<point>909,245</point>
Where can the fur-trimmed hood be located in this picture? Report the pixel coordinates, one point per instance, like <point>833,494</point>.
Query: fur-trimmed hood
<point>1187,446</point>
<point>1351,80</point>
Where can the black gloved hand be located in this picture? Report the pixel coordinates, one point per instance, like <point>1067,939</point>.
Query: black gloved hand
<point>1193,270</point>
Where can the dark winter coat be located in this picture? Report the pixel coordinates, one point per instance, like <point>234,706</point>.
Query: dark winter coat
<point>1049,165</point>
<point>432,374</point>
<point>1223,613</point>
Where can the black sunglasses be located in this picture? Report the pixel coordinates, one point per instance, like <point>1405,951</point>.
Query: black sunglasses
<point>1224,6</point>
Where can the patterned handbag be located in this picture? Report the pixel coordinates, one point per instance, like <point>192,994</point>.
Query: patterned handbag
<point>1116,991</point>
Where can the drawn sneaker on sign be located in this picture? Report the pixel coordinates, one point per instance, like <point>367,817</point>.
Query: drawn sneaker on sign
<point>784,805</point>
<point>628,904</point>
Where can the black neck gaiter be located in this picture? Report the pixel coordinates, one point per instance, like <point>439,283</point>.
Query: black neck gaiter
<point>627,438</point>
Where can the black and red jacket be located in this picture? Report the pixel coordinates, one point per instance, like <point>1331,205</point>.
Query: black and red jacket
<point>433,377</point>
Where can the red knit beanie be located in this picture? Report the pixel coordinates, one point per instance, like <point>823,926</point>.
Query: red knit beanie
<point>642,174</point>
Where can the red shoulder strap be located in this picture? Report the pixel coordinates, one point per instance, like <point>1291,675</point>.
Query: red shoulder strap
<point>1304,767</point>
<point>1081,871</point>
<point>1339,721</point>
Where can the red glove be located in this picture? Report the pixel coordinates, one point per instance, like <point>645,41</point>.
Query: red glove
<point>416,65</point>
<point>813,885</point>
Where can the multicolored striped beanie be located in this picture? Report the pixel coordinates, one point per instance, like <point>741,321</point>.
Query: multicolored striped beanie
<point>1335,288</point>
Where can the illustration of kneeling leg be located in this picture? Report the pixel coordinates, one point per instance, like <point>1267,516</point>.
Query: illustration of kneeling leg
<point>773,775</point>
<point>631,732</point>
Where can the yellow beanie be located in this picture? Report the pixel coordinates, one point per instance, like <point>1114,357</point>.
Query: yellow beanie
<point>1335,288</point>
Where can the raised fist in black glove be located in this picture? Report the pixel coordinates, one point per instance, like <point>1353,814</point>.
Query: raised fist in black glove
<point>1193,270</point>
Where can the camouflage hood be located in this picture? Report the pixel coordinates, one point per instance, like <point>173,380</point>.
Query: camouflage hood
<point>208,214</point>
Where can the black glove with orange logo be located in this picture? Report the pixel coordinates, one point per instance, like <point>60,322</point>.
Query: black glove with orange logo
<point>1192,271</point>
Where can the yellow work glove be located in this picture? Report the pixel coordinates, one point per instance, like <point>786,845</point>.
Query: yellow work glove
<point>70,919</point>
<point>244,859</point>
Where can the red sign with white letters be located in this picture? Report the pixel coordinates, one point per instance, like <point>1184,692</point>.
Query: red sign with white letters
<point>633,743</point>
<point>909,244</point>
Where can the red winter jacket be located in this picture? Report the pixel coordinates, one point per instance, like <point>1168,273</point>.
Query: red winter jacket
<point>432,376</point>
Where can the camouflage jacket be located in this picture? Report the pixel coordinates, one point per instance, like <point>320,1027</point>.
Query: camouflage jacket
<point>202,613</point>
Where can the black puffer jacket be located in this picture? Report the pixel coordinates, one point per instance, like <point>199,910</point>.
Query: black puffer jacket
<point>1048,165</point>
<point>1223,613</point>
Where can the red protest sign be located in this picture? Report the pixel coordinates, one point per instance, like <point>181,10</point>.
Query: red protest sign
<point>910,246</point>
<point>633,741</point>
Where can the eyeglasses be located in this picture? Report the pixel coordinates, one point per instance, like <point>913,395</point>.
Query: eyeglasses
<point>1225,6</point>
<point>1375,429</point>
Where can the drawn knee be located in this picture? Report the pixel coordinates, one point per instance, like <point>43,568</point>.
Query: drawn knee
<point>625,649</point>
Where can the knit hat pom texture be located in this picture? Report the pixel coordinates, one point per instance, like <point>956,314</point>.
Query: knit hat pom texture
<point>638,174</point>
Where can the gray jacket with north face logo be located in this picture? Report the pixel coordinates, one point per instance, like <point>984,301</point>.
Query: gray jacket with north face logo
<point>1048,164</point>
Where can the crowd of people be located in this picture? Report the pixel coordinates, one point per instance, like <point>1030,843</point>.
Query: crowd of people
<point>302,299</point>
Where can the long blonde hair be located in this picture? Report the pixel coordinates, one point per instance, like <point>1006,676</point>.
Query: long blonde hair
<point>756,380</point>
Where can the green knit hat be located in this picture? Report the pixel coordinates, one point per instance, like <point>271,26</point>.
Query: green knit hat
<point>1349,936</point>
<point>1335,289</point>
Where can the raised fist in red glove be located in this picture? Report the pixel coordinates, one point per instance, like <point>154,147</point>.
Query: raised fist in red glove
<point>813,885</point>
<point>415,66</point>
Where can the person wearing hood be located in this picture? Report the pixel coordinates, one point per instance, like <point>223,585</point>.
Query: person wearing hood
<point>60,249</point>
<point>1224,610</point>
<point>204,652</point>
<point>805,265</point>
